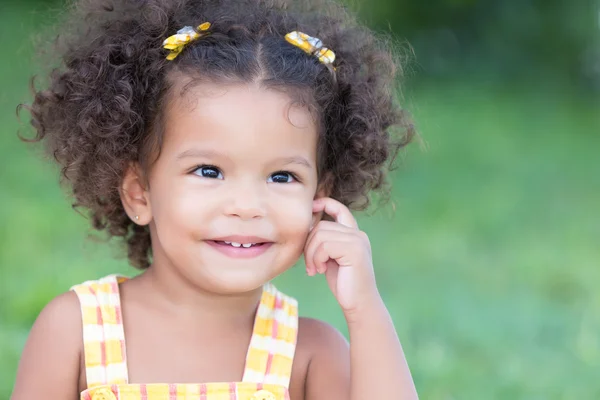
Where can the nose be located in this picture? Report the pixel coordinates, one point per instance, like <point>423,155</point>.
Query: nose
<point>246,202</point>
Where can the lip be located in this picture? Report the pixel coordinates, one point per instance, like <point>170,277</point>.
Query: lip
<point>240,252</point>
<point>242,239</point>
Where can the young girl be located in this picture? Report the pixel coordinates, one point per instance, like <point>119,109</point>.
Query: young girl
<point>222,140</point>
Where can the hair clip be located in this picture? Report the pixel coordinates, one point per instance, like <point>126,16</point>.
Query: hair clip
<point>311,45</point>
<point>176,43</point>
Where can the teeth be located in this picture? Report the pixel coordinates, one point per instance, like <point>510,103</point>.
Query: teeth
<point>235,244</point>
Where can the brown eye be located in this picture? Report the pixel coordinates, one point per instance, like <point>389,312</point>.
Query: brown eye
<point>281,177</point>
<point>208,171</point>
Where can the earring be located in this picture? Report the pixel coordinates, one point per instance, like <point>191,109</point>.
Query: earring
<point>137,218</point>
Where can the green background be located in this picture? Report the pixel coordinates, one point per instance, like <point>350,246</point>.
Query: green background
<point>489,256</point>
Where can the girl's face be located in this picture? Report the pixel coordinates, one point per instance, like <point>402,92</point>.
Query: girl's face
<point>237,168</point>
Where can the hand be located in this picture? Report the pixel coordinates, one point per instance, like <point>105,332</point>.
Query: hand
<point>343,253</point>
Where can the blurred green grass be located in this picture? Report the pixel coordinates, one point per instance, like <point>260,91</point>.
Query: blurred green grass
<point>489,263</point>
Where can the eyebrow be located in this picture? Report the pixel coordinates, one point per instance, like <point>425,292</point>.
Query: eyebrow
<point>197,153</point>
<point>295,160</point>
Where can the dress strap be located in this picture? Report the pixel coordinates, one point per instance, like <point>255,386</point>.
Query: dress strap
<point>273,343</point>
<point>103,333</point>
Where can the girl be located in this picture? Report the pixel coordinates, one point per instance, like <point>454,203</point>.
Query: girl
<point>221,142</point>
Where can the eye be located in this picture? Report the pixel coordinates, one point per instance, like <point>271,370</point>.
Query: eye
<point>208,171</point>
<point>282,177</point>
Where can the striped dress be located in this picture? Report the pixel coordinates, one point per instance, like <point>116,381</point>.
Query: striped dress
<point>268,361</point>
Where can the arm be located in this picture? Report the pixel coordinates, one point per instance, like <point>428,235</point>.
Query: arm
<point>373,368</point>
<point>49,366</point>
<point>379,368</point>
<point>343,253</point>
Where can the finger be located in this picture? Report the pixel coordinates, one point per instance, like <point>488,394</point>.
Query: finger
<point>322,228</point>
<point>320,258</point>
<point>340,213</point>
<point>328,251</point>
<point>328,226</point>
<point>329,264</point>
<point>332,276</point>
<point>332,226</point>
<point>314,265</point>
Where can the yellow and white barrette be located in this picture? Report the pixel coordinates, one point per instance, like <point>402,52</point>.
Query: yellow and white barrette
<point>311,45</point>
<point>176,43</point>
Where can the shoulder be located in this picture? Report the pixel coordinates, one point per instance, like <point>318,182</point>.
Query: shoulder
<point>317,335</point>
<point>61,315</point>
<point>52,351</point>
<point>60,322</point>
<point>326,354</point>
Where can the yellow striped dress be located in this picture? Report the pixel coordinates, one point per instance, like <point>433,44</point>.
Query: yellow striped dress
<point>268,361</point>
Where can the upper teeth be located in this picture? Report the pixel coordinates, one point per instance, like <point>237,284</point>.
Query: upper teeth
<point>235,244</point>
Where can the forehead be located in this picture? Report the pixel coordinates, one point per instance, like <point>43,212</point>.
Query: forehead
<point>240,113</point>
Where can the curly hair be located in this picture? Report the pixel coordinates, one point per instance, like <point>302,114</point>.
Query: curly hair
<point>103,107</point>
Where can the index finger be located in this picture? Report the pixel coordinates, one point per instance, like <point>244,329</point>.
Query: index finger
<point>340,213</point>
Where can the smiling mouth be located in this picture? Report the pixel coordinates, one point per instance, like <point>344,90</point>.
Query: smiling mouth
<point>246,249</point>
<point>235,244</point>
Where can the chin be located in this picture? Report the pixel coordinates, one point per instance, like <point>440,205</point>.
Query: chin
<point>229,278</point>
<point>233,286</point>
<point>228,275</point>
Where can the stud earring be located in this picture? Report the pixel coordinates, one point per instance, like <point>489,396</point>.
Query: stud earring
<point>137,218</point>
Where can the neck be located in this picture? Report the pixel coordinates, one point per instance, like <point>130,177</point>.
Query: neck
<point>174,294</point>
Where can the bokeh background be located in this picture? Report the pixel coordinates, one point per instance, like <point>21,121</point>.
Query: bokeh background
<point>489,260</point>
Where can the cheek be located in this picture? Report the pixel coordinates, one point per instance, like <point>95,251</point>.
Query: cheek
<point>294,220</point>
<point>178,208</point>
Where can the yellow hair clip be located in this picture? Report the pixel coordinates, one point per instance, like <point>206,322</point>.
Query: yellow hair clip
<point>311,45</point>
<point>176,43</point>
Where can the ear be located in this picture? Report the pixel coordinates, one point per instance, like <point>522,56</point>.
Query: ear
<point>134,195</point>
<point>323,190</point>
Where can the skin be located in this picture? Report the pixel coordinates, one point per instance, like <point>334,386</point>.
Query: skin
<point>236,159</point>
